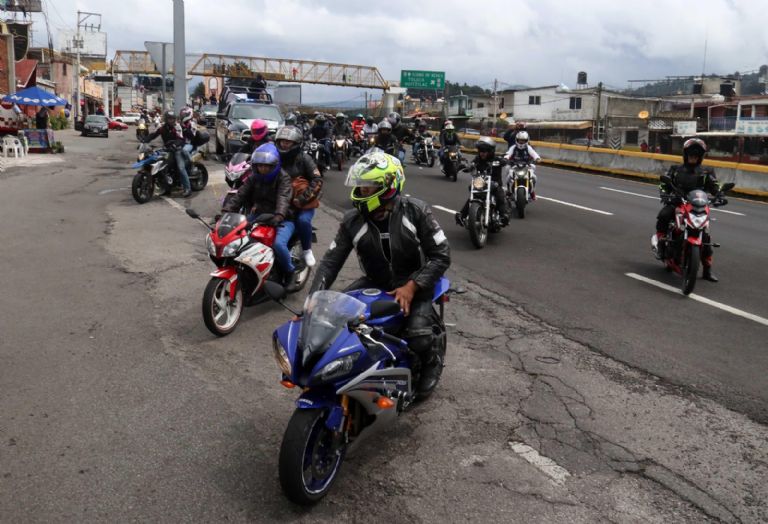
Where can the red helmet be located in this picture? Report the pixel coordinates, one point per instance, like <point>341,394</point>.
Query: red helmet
<point>259,129</point>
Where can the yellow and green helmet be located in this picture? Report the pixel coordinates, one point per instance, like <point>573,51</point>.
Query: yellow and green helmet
<point>378,170</point>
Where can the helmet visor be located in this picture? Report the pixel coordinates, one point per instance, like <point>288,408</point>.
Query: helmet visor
<point>264,157</point>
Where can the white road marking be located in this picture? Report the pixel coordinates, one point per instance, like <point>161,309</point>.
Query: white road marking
<point>539,197</point>
<point>175,204</point>
<point>703,300</point>
<point>441,208</point>
<point>629,193</point>
<point>656,198</point>
<point>546,465</point>
<point>107,191</point>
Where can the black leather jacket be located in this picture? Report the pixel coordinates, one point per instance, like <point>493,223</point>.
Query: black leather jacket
<point>445,141</point>
<point>419,249</point>
<point>258,197</point>
<point>172,136</point>
<point>495,164</point>
<point>687,179</point>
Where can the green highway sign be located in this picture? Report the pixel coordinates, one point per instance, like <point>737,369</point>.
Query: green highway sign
<point>423,79</point>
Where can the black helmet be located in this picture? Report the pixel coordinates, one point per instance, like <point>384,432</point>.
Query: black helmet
<point>290,119</point>
<point>694,146</point>
<point>369,120</point>
<point>394,118</point>
<point>292,134</point>
<point>485,143</point>
<point>169,115</point>
<point>320,118</point>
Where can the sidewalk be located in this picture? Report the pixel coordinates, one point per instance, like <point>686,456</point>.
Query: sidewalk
<point>38,159</point>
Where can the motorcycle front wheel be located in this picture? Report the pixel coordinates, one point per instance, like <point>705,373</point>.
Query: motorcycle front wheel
<point>431,160</point>
<point>309,458</point>
<point>478,230</point>
<point>143,187</point>
<point>690,268</point>
<point>340,160</point>
<point>521,200</point>
<point>221,312</point>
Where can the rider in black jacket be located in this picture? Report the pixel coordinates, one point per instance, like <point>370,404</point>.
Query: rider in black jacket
<point>688,176</point>
<point>401,248</point>
<point>485,159</point>
<point>385,140</point>
<point>173,140</point>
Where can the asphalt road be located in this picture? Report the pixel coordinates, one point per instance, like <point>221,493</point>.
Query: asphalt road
<point>568,266</point>
<point>117,404</point>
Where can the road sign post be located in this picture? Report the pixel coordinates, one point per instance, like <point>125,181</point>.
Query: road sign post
<point>423,79</point>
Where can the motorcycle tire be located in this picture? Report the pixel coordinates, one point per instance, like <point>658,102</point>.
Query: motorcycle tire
<point>219,148</point>
<point>143,187</point>
<point>340,161</point>
<point>308,463</point>
<point>520,201</point>
<point>219,315</point>
<point>478,231</point>
<point>431,161</point>
<point>690,268</point>
<point>199,183</point>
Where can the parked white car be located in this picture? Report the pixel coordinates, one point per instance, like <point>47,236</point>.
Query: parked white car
<point>128,118</point>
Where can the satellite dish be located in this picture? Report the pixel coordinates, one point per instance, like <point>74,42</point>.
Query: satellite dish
<point>642,114</point>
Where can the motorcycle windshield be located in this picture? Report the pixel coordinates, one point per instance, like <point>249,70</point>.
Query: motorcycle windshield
<point>228,223</point>
<point>326,314</point>
<point>698,200</point>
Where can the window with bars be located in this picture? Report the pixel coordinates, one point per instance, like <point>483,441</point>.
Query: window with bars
<point>534,100</point>
<point>575,102</point>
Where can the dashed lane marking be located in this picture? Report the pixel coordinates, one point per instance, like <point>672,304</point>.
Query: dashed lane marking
<point>656,198</point>
<point>703,300</point>
<point>174,204</point>
<point>546,465</point>
<point>441,208</point>
<point>539,197</point>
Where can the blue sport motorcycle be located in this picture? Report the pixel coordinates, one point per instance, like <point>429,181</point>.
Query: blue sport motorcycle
<point>157,168</point>
<point>355,377</point>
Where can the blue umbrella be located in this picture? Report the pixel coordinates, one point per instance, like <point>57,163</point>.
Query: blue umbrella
<point>34,96</point>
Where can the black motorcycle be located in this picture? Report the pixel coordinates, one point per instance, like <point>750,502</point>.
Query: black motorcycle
<point>453,162</point>
<point>425,152</point>
<point>483,216</point>
<point>157,169</point>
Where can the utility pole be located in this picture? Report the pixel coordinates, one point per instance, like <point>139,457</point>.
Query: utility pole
<point>597,117</point>
<point>163,71</point>
<point>78,43</point>
<point>179,57</point>
<point>495,87</point>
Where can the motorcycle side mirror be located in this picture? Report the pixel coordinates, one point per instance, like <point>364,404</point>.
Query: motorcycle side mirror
<point>384,308</point>
<point>665,179</point>
<point>192,213</point>
<point>727,187</point>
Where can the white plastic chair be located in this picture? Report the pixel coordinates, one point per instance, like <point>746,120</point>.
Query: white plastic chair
<point>11,143</point>
<point>24,143</point>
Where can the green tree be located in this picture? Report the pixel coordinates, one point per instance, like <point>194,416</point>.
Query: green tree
<point>199,90</point>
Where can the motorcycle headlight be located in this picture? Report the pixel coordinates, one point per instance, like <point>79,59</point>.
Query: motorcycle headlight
<point>210,246</point>
<point>338,368</point>
<point>230,249</point>
<point>281,357</point>
<point>478,182</point>
<point>698,221</point>
<point>142,156</point>
<point>233,174</point>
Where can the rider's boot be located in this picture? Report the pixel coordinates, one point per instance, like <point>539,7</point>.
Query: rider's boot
<point>708,275</point>
<point>658,243</point>
<point>431,369</point>
<point>460,220</point>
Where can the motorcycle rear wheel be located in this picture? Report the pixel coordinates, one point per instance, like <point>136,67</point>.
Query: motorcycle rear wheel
<point>221,313</point>
<point>478,231</point>
<point>309,462</point>
<point>690,268</point>
<point>520,201</point>
<point>198,184</point>
<point>142,187</point>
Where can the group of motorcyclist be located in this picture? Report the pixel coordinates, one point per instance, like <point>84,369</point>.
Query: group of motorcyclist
<point>400,245</point>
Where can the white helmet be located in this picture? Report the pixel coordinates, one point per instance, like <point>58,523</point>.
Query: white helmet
<point>521,139</point>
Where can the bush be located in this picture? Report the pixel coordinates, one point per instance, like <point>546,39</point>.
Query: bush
<point>57,147</point>
<point>59,122</point>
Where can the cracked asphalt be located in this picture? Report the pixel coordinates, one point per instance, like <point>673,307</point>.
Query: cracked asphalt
<point>117,404</point>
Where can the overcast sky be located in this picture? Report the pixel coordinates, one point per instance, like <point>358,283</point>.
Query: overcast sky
<point>532,42</point>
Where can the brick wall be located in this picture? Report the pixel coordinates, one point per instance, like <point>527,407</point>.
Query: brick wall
<point>4,87</point>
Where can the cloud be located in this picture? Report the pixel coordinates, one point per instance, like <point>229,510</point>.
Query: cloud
<point>534,42</point>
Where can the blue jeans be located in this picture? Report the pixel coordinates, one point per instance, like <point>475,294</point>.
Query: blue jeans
<point>401,154</point>
<point>304,227</point>
<point>280,246</point>
<point>182,168</point>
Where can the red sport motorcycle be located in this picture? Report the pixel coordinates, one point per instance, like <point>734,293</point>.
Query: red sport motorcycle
<point>244,261</point>
<point>681,250</point>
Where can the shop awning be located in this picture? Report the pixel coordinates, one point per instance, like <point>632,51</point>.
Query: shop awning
<point>560,124</point>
